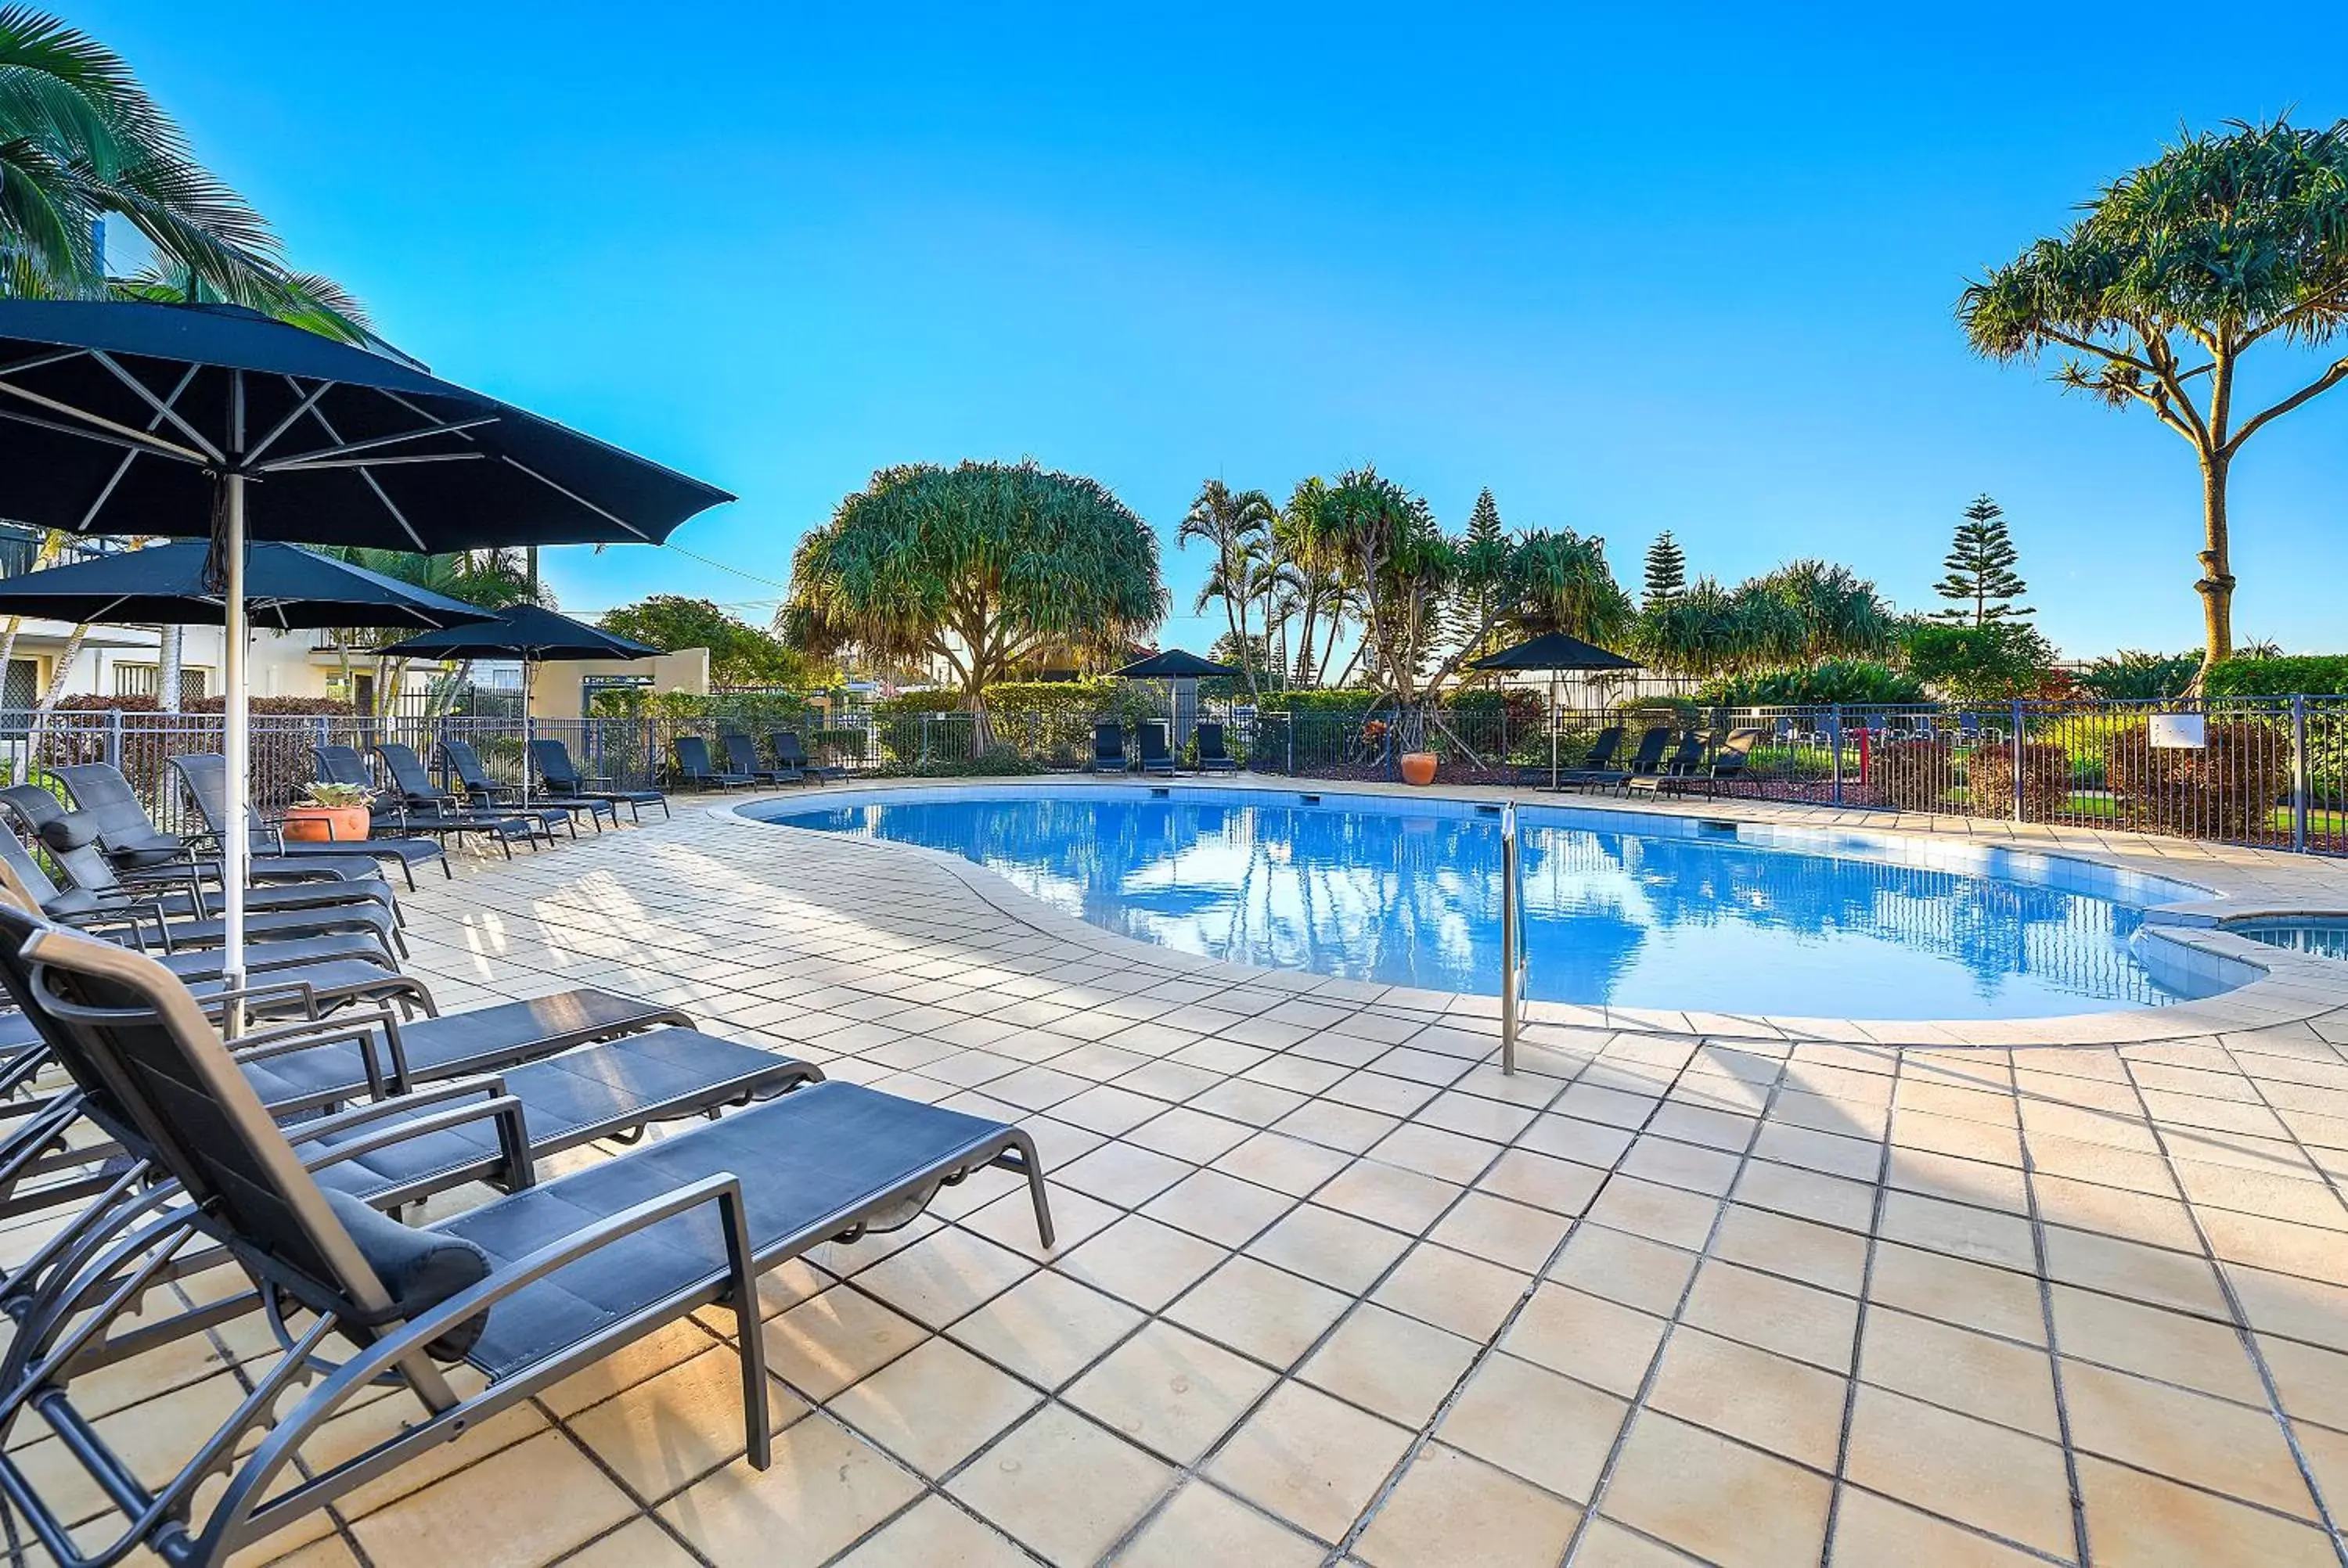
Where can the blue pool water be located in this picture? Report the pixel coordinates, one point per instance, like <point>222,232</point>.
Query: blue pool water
<point>2325,935</point>
<point>1376,891</point>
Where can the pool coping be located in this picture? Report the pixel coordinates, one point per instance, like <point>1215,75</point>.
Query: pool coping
<point>2286,986</point>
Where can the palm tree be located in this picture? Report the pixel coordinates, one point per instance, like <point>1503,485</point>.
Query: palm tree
<point>491,578</point>
<point>1236,524</point>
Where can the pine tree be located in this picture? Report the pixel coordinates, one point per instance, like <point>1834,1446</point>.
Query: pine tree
<point>1666,572</point>
<point>1484,521</point>
<point>1471,607</point>
<point>1981,578</point>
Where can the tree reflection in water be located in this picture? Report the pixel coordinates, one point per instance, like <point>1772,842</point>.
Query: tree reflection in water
<point>1636,921</point>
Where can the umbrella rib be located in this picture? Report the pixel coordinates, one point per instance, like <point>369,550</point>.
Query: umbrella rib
<point>287,424</point>
<point>41,361</point>
<point>123,467</point>
<point>163,409</point>
<point>380,494</point>
<point>323,454</point>
<point>107,431</point>
<point>560,491</point>
<point>295,466</point>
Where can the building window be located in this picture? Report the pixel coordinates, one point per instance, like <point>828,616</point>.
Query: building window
<point>146,681</point>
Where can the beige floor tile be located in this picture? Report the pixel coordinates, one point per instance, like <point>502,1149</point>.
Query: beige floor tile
<point>1515,1235</point>
<point>1787,1407</point>
<point>1968,1295</point>
<point>1224,1209</point>
<point>1263,1311</point>
<point>823,1345</point>
<point>1047,1328</point>
<point>1451,1290</point>
<point>1397,1366</point>
<point>677,1425</point>
<point>1845,1203</point>
<point>1870,1531</point>
<point>1320,1243</point>
<point>640,1543</point>
<point>1722,1502</point>
<point>1813,1326</point>
<point>1526,1419</point>
<point>1310,1459</point>
<point>1201,1526</point>
<point>1338,1127</point>
<point>630,1365</point>
<point>2139,1521</point>
<point>2169,1346</point>
<point>1192,1135</point>
<point>1711,1172</point>
<point>1799,1249</point>
<point>1123,1173</point>
<point>1010,1221</point>
<point>1140,1261</point>
<point>354,1432</point>
<point>1288,1164</point>
<point>1388,1195</point>
<point>2306,1309</point>
<point>1606,1544</point>
<point>1993,1378</point>
<point>544,1494</point>
<point>1657,1213</point>
<point>1449,1508</point>
<point>1959,1230</point>
<point>1630,1270</point>
<point>2228,1447</point>
<point>1062,1485</point>
<point>2313,1382</point>
<point>1586,1336</point>
<point>934,1534</point>
<point>934,1406</point>
<point>2119,1268</point>
<point>950,1273</point>
<point>1170,1391</point>
<point>1962,1469</point>
<point>826,1488</point>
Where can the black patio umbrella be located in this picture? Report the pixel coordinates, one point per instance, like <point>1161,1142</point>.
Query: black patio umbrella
<point>286,589</point>
<point>215,422</point>
<point>1553,651</point>
<point>1174,664</point>
<point>530,633</point>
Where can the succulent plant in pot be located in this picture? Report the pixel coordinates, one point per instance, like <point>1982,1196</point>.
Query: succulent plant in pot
<point>330,812</point>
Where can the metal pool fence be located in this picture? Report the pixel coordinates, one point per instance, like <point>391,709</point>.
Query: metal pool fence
<point>2271,772</point>
<point>2267,770</point>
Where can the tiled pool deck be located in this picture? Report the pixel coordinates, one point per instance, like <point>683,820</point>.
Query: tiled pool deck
<point>1331,1289</point>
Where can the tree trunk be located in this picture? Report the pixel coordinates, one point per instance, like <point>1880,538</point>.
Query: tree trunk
<point>170,657</point>
<point>2216,585</point>
<point>50,698</point>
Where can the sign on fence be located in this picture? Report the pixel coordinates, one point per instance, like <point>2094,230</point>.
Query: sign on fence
<point>2180,732</point>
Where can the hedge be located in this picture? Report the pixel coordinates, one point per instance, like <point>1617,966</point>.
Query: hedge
<point>2306,674</point>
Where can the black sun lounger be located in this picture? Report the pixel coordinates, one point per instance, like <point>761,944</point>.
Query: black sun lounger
<point>1109,750</point>
<point>146,918</point>
<point>130,839</point>
<point>791,754</point>
<point>1213,758</point>
<point>204,774</point>
<point>1157,753</point>
<point>526,1288</point>
<point>197,880</point>
<point>466,762</point>
<point>554,766</point>
<point>742,757</point>
<point>694,766</point>
<point>426,806</point>
<point>1596,763</point>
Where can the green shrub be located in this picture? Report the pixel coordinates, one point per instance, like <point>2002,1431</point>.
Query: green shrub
<point>995,761</point>
<point>1858,682</point>
<point>839,741</point>
<point>2309,674</point>
<point>2132,676</point>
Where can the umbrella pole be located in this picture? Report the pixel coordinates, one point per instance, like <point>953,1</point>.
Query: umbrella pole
<point>236,845</point>
<point>1552,732</point>
<point>525,731</point>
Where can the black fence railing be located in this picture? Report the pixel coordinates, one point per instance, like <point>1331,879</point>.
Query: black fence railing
<point>2270,772</point>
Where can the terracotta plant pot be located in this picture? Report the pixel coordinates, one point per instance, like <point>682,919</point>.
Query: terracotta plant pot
<point>1418,768</point>
<point>326,823</point>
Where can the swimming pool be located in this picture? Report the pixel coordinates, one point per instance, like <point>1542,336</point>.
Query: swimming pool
<point>1635,911</point>
<point>2325,935</point>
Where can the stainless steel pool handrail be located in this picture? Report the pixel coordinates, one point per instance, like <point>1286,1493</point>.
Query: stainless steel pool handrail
<point>1513,956</point>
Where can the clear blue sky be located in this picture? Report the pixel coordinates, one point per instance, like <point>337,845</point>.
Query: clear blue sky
<point>1632,273</point>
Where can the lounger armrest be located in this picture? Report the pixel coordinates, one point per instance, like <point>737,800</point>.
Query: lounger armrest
<point>272,1041</point>
<point>505,1109</point>
<point>217,1003</point>
<point>118,910</point>
<point>723,1188</point>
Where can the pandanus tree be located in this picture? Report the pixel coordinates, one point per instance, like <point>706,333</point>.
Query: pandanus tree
<point>982,567</point>
<point>2167,281</point>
